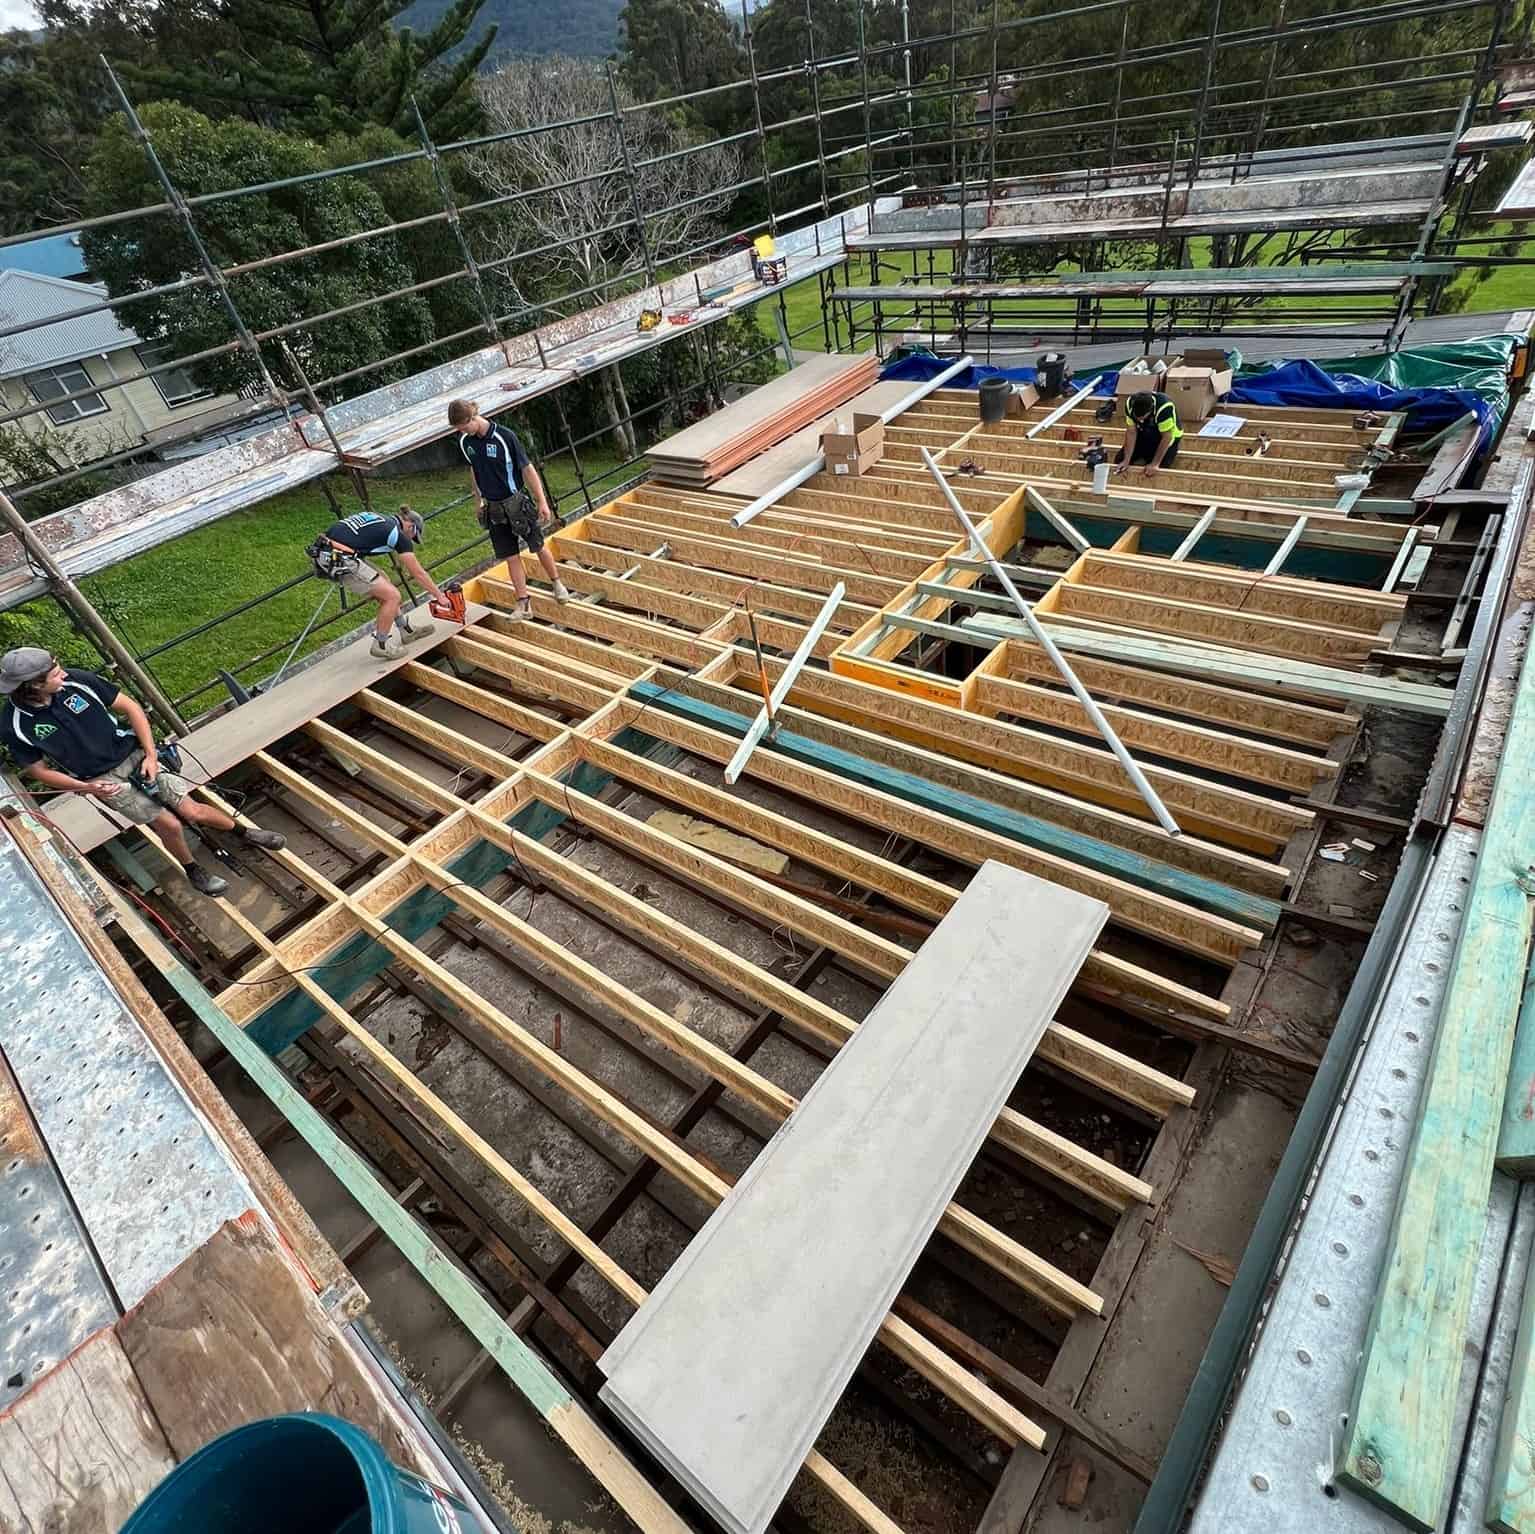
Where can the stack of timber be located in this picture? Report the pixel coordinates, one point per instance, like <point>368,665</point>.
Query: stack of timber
<point>731,1368</point>
<point>698,456</point>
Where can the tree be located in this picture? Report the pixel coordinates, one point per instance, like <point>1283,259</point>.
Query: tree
<point>323,67</point>
<point>56,96</point>
<point>585,232</point>
<point>203,156</point>
<point>671,47</point>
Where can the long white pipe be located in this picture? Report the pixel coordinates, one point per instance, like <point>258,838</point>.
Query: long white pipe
<point>1063,409</point>
<point>818,463</point>
<point>768,712</point>
<point>1044,641</point>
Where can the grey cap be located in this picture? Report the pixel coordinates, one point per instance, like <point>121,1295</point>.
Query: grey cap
<point>418,526</point>
<point>18,667</point>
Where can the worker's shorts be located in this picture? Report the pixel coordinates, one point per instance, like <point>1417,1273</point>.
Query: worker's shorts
<point>135,806</point>
<point>359,581</point>
<point>1136,456</point>
<point>513,523</point>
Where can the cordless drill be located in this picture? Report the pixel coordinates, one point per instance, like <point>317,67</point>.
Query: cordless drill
<point>169,755</point>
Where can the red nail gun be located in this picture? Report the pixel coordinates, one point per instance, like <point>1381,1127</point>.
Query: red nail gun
<point>452,606</point>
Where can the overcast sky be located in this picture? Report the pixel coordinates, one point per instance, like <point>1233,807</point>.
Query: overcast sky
<point>17,13</point>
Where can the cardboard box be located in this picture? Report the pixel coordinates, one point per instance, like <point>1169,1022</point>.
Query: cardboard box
<point>1141,383</point>
<point>853,446</point>
<point>1196,382</point>
<point>1023,399</point>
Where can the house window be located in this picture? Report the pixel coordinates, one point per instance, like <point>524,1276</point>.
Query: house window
<point>177,386</point>
<point>54,383</point>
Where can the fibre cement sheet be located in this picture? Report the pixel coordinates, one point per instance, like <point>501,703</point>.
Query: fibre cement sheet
<point>731,1368</point>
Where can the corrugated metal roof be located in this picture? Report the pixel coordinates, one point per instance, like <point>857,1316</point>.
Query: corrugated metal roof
<point>28,296</point>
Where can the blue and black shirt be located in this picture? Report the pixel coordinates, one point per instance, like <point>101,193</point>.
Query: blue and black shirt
<point>497,461</point>
<point>75,729</point>
<point>366,532</point>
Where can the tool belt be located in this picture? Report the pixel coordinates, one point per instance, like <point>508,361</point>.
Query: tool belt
<point>330,560</point>
<point>517,510</point>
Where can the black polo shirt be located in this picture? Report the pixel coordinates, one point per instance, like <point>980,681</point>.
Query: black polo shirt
<point>76,729</point>
<point>497,461</point>
<point>366,532</point>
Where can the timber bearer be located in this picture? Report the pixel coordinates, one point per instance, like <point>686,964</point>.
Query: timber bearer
<point>339,554</point>
<point>1152,432</point>
<point>510,500</point>
<point>72,718</point>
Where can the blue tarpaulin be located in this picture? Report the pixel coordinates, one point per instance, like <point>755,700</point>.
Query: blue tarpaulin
<point>1474,374</point>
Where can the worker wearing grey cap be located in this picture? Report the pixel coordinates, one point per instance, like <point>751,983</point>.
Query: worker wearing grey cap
<point>339,554</point>
<point>65,728</point>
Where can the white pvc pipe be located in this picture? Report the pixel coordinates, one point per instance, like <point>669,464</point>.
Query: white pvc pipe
<point>1044,641</point>
<point>1063,409</point>
<point>818,463</point>
<point>769,710</point>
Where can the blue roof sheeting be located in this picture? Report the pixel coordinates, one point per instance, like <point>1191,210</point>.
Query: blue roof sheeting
<point>51,255</point>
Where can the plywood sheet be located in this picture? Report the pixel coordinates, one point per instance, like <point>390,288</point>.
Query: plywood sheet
<point>81,1449</point>
<point>731,1368</point>
<point>233,1335</point>
<point>235,736</point>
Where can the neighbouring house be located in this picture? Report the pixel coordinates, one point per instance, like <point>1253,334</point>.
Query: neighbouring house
<point>69,365</point>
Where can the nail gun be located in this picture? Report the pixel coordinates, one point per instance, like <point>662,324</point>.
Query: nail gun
<point>452,606</point>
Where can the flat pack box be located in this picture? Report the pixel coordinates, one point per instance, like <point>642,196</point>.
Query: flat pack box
<point>1197,381</point>
<point>853,448</point>
<point>1141,382</point>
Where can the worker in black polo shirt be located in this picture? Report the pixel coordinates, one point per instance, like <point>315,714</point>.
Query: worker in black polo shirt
<point>509,498</point>
<point>344,546</point>
<point>73,719</point>
<point>1152,432</point>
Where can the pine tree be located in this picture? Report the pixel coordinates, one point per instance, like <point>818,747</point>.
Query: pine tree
<point>322,67</point>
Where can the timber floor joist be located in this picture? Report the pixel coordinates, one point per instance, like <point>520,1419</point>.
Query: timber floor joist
<point>509,778</point>
<point>375,746</point>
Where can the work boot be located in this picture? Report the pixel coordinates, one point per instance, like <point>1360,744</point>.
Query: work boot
<point>520,611</point>
<point>272,841</point>
<point>204,882</point>
<point>418,628</point>
<point>561,593</point>
<point>386,646</point>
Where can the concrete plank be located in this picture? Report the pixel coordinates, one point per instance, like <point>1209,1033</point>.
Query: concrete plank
<point>732,1367</point>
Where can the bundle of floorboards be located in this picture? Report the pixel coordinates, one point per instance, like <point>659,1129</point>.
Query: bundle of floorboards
<point>700,455</point>
<point>730,1369</point>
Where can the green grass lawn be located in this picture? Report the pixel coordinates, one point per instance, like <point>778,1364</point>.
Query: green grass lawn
<point>169,590</point>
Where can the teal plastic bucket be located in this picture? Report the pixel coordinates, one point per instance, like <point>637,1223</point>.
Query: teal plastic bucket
<point>305,1474</point>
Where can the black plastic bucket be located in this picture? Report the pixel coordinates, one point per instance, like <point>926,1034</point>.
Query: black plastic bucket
<point>995,393</point>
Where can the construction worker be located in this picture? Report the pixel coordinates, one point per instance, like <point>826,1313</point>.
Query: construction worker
<point>72,718</point>
<point>510,500</point>
<point>1152,432</point>
<point>339,555</point>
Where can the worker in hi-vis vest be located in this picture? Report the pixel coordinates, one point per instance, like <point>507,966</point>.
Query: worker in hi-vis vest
<point>1152,432</point>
